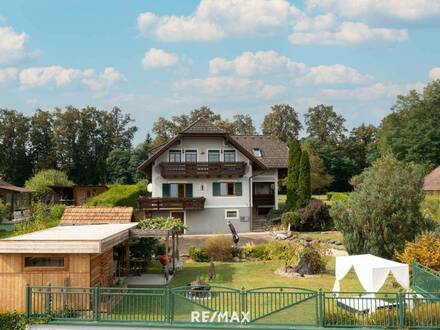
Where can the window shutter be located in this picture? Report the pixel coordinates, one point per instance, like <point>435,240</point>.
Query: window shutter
<point>188,190</point>
<point>165,190</point>
<point>238,190</point>
<point>216,189</point>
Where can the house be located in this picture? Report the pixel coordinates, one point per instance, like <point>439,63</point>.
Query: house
<point>431,183</point>
<point>18,202</point>
<point>63,256</point>
<point>207,177</point>
<point>75,195</point>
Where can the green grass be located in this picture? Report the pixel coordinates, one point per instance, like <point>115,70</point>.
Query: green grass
<point>117,195</point>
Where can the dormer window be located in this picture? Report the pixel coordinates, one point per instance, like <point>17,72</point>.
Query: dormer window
<point>257,152</point>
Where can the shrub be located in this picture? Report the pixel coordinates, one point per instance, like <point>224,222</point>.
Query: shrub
<point>311,258</point>
<point>431,207</point>
<point>198,254</point>
<point>383,211</point>
<point>424,250</point>
<point>117,195</point>
<point>43,217</point>
<point>340,317</point>
<point>144,248</point>
<point>291,218</point>
<point>259,252</point>
<point>219,248</point>
<point>3,210</point>
<point>42,181</point>
<point>275,215</point>
<point>12,321</point>
<point>315,217</point>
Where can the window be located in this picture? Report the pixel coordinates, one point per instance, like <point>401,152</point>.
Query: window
<point>229,156</point>
<point>175,156</point>
<point>226,189</point>
<point>213,156</point>
<point>257,152</point>
<point>177,190</point>
<point>40,262</point>
<point>231,214</point>
<point>191,156</point>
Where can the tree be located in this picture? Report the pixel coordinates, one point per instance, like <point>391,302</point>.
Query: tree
<point>282,122</point>
<point>243,125</point>
<point>319,178</point>
<point>324,124</point>
<point>15,163</point>
<point>361,145</point>
<point>293,174</point>
<point>383,212</point>
<point>303,189</point>
<point>42,148</point>
<point>412,131</point>
<point>42,181</point>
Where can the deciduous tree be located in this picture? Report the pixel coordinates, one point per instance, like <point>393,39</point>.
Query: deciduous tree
<point>282,122</point>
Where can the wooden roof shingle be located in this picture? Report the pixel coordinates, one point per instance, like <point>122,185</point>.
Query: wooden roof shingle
<point>80,215</point>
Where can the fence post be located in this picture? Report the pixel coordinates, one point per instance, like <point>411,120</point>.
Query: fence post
<point>243,301</point>
<point>96,303</point>
<point>28,301</point>
<point>413,274</point>
<point>401,304</point>
<point>167,305</point>
<point>49,299</point>
<point>320,308</point>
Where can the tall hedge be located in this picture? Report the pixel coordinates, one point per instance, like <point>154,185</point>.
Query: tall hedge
<point>293,174</point>
<point>304,186</point>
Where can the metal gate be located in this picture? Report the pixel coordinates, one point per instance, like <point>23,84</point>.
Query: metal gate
<point>267,305</point>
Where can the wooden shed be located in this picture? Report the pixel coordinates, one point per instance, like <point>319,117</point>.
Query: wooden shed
<point>79,256</point>
<point>18,200</point>
<point>431,184</point>
<point>75,195</point>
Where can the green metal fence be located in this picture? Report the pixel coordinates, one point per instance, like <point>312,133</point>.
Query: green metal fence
<point>425,280</point>
<point>214,306</point>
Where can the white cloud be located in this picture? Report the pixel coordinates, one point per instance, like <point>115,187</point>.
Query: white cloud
<point>11,45</point>
<point>434,73</point>
<point>220,86</point>
<point>407,10</point>
<point>348,33</point>
<point>374,91</point>
<point>158,58</point>
<point>59,76</point>
<point>317,23</point>
<point>333,74</point>
<point>109,77</point>
<point>7,74</point>
<point>213,20</point>
<point>248,64</point>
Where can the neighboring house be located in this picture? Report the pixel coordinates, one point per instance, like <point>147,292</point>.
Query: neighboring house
<point>207,177</point>
<point>75,195</point>
<point>431,184</point>
<point>18,202</point>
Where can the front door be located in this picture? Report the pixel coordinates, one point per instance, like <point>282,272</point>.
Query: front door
<point>179,215</point>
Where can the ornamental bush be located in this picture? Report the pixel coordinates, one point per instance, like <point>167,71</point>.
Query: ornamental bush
<point>425,250</point>
<point>291,218</point>
<point>293,174</point>
<point>304,188</point>
<point>219,248</point>
<point>383,212</point>
<point>198,254</point>
<point>315,217</point>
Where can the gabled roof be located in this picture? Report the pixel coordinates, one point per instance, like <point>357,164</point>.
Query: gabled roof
<point>432,181</point>
<point>80,215</point>
<point>274,152</point>
<point>203,126</point>
<point>7,186</point>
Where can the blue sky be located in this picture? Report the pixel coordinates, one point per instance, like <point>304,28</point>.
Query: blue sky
<point>160,58</point>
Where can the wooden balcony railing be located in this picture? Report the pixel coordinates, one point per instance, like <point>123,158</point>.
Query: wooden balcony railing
<point>266,199</point>
<point>204,169</point>
<point>171,203</point>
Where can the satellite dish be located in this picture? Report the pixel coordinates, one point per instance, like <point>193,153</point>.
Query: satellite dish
<point>150,187</point>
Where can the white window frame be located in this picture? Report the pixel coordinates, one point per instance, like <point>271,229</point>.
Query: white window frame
<point>181,155</point>
<point>191,149</point>
<point>220,155</point>
<point>235,154</point>
<point>232,218</point>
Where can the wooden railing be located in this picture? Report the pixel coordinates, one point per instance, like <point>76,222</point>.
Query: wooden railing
<point>266,199</point>
<point>203,169</point>
<point>176,203</point>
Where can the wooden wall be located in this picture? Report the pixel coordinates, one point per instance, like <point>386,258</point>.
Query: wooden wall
<point>14,278</point>
<point>101,269</point>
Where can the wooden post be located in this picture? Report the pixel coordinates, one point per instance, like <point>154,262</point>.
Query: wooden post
<point>174,251</point>
<point>127,258</point>
<point>177,247</point>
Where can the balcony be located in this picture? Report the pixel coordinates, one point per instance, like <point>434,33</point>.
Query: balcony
<point>202,170</point>
<point>171,203</point>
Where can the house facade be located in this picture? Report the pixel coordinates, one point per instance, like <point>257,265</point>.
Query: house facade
<point>207,177</point>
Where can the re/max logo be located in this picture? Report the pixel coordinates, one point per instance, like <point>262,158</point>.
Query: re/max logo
<point>225,317</point>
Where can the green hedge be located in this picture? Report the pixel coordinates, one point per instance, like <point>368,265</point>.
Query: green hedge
<point>118,195</point>
<point>12,321</point>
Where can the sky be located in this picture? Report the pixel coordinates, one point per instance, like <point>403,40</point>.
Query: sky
<point>162,58</point>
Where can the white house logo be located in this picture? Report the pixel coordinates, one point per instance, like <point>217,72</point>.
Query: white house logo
<point>219,317</point>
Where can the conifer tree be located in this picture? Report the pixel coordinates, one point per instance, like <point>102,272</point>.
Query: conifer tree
<point>293,174</point>
<point>304,188</point>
